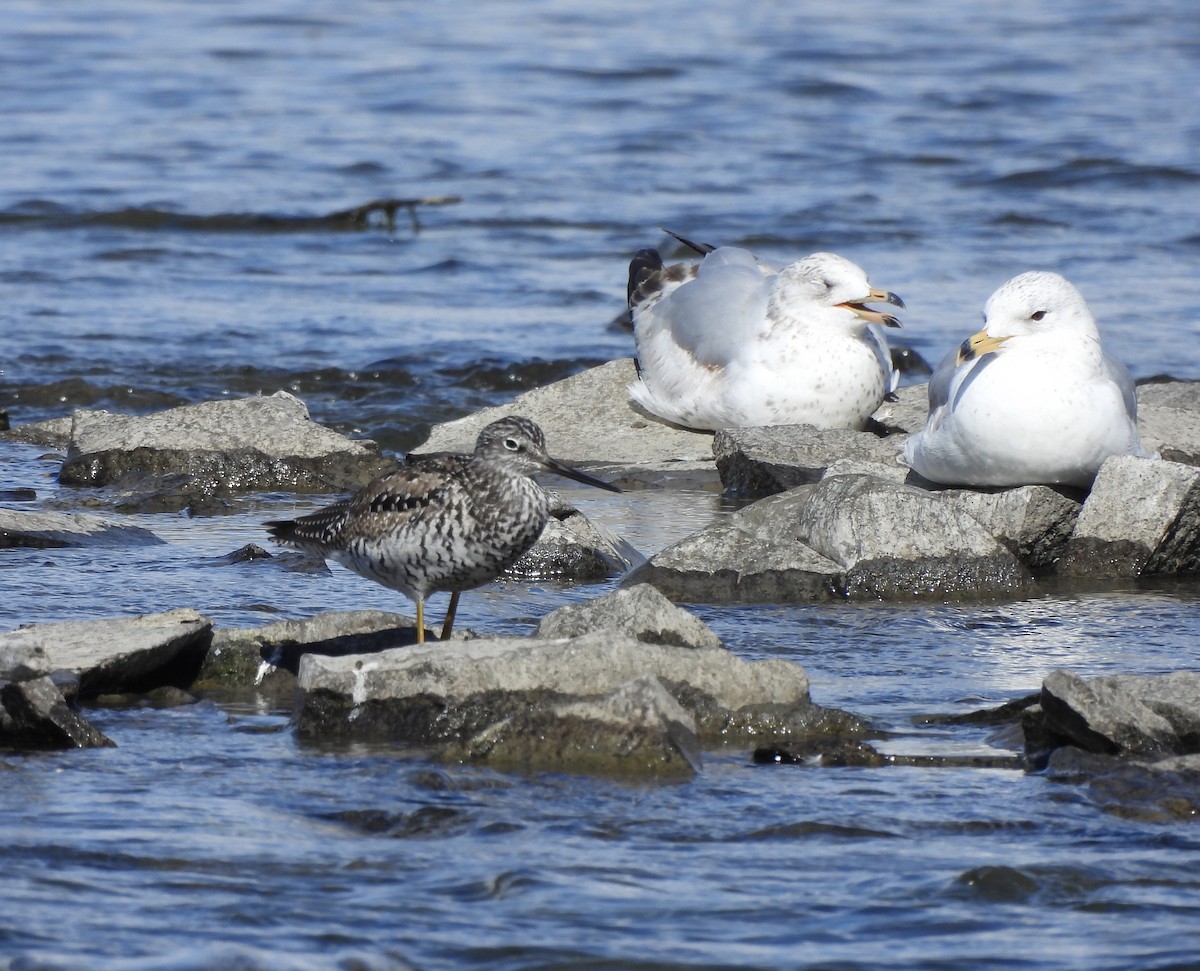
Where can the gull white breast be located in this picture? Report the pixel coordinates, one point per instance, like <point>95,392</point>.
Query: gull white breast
<point>1030,398</point>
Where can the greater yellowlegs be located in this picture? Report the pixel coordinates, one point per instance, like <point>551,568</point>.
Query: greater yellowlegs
<point>447,523</point>
<point>1031,398</point>
<point>732,341</point>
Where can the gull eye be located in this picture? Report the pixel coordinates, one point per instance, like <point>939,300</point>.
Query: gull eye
<point>512,445</point>
<point>1037,315</point>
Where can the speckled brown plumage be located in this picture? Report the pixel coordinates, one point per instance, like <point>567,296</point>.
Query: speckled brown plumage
<point>449,523</point>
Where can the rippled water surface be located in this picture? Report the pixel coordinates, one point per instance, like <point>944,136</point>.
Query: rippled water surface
<point>163,170</point>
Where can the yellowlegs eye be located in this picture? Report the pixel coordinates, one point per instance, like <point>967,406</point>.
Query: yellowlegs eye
<point>512,445</point>
<point>1038,315</point>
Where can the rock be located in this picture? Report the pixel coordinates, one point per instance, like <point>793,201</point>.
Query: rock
<point>637,731</point>
<point>1148,717</point>
<point>1173,432</point>
<point>53,433</point>
<point>1166,791</point>
<point>120,655</point>
<point>639,611</point>
<point>755,462</point>
<point>269,656</point>
<point>1142,517</point>
<point>220,447</point>
<point>45,530</point>
<point>35,715</point>
<point>895,542</point>
<point>439,694</point>
<point>572,547</point>
<point>589,421</point>
<point>747,558</point>
<point>1033,522</point>
<point>908,412</point>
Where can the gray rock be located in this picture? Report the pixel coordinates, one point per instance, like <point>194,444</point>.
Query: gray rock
<point>1181,395</point>
<point>53,433</point>
<point>1173,432</point>
<point>893,470</point>
<point>747,558</point>
<point>221,447</point>
<point>572,547</point>
<point>267,657</point>
<point>124,654</point>
<point>896,541</point>
<point>1147,717</point>
<point>637,731</point>
<point>1034,522</point>
<point>639,611</point>
<point>1142,517</point>
<point>45,530</point>
<point>439,694</point>
<point>589,421</point>
<point>35,715</point>
<point>908,412</point>
<point>756,462</point>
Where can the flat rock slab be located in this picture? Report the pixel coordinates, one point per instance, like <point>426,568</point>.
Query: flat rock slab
<point>112,656</point>
<point>1142,517</point>
<point>440,694</point>
<point>47,530</point>
<point>239,445</point>
<point>34,715</point>
<point>589,421</point>
<point>269,656</point>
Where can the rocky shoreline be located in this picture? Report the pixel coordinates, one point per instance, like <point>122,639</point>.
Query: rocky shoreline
<point>628,685</point>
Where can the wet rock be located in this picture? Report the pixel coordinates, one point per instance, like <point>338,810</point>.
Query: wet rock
<point>572,547</point>
<point>1142,517</point>
<point>220,447</point>
<point>448,694</point>
<point>268,657</point>
<point>747,558</point>
<point>857,537</point>
<point>1148,717</point>
<point>18,495</point>
<point>894,541</point>
<point>1034,522</point>
<point>119,655</point>
<point>639,611</point>
<point>589,421</point>
<point>47,530</point>
<point>755,462</point>
<point>34,715</point>
<point>1166,791</point>
<point>637,731</point>
<point>53,433</point>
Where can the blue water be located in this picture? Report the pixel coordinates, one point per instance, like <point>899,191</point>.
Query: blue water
<point>945,147</point>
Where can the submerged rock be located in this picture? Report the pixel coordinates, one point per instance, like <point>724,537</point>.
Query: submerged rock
<point>118,655</point>
<point>220,447</point>
<point>45,530</point>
